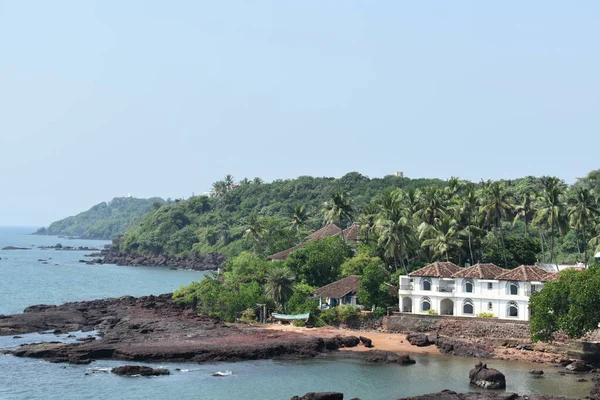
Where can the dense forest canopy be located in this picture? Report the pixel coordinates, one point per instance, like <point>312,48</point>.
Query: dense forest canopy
<point>405,222</point>
<point>105,220</point>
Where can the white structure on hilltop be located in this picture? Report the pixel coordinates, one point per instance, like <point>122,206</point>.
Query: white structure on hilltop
<point>446,289</point>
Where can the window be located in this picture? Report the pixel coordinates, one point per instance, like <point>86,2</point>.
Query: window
<point>468,307</point>
<point>490,306</point>
<point>468,285</point>
<point>513,288</point>
<point>426,284</point>
<point>512,309</point>
<point>425,304</point>
<point>490,285</point>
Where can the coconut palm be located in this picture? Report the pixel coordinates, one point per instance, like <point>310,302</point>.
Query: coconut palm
<point>255,232</point>
<point>443,237</point>
<point>496,205</point>
<point>367,221</point>
<point>219,188</point>
<point>338,209</point>
<point>525,210</point>
<point>432,205</point>
<point>551,211</point>
<point>467,210</point>
<point>583,212</point>
<point>395,229</point>
<point>279,285</point>
<point>299,217</point>
<point>229,181</point>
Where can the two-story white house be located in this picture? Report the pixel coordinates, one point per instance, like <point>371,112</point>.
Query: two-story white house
<point>446,289</point>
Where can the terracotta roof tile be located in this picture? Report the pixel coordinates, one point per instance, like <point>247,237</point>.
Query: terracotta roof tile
<point>524,273</point>
<point>282,255</point>
<point>437,270</point>
<point>352,232</point>
<point>480,271</point>
<point>346,286</point>
<point>326,231</point>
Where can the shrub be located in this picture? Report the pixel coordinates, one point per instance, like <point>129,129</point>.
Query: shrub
<point>380,312</point>
<point>347,312</point>
<point>249,316</point>
<point>299,322</point>
<point>431,311</point>
<point>486,315</point>
<point>329,316</point>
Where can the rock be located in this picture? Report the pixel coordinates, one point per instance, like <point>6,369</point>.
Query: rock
<point>565,362</point>
<point>419,339</point>
<point>463,348</point>
<point>487,378</point>
<point>320,396</point>
<point>14,248</point>
<point>536,372</point>
<point>366,341</point>
<point>579,366</point>
<point>133,370</point>
<point>17,337</point>
<point>388,357</point>
<point>595,391</point>
<point>337,342</point>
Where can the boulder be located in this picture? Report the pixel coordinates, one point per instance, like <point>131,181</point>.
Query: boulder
<point>579,366</point>
<point>419,339</point>
<point>320,396</point>
<point>463,348</point>
<point>366,341</point>
<point>388,357</point>
<point>536,372</point>
<point>139,370</point>
<point>487,378</point>
<point>595,392</point>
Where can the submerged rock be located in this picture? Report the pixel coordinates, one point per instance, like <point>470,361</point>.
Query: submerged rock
<point>579,366</point>
<point>141,370</point>
<point>487,378</point>
<point>320,396</point>
<point>388,357</point>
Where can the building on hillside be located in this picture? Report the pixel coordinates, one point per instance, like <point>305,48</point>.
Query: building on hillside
<point>350,234</point>
<point>339,292</point>
<point>446,289</point>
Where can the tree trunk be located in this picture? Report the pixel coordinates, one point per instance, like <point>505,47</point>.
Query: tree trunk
<point>471,248</point>
<point>503,247</point>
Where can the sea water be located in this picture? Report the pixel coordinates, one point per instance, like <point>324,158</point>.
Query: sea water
<point>25,281</point>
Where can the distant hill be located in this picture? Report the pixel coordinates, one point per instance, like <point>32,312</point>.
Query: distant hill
<point>104,220</point>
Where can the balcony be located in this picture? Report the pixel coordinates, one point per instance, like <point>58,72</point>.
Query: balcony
<point>406,287</point>
<point>445,289</point>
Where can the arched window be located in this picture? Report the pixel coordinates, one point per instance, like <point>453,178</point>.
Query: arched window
<point>468,307</point>
<point>490,306</point>
<point>426,284</point>
<point>468,285</point>
<point>512,309</point>
<point>512,288</point>
<point>425,304</point>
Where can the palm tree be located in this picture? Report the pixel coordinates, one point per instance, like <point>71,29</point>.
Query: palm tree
<point>496,206</point>
<point>338,210</point>
<point>255,232</point>
<point>468,206</point>
<point>258,181</point>
<point>279,285</point>
<point>583,211</point>
<point>367,221</point>
<point>229,181</point>
<point>219,188</point>
<point>525,211</point>
<point>551,213</point>
<point>442,238</point>
<point>299,217</point>
<point>395,228</point>
<point>432,205</point>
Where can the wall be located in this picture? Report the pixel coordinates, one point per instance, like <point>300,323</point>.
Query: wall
<point>457,327</point>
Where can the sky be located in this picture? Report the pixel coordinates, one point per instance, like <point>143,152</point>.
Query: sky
<point>153,98</point>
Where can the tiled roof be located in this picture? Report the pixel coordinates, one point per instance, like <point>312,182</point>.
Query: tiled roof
<point>346,286</point>
<point>480,271</point>
<point>351,232</point>
<point>326,231</point>
<point>282,255</point>
<point>437,270</point>
<point>524,273</point>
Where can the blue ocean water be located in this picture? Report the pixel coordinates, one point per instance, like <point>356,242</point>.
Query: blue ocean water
<point>25,281</point>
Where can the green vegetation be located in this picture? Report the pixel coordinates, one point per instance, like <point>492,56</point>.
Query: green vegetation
<point>104,220</point>
<point>570,304</point>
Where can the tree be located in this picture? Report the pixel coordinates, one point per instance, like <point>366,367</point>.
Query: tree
<point>583,212</point>
<point>338,209</point>
<point>496,205</point>
<point>525,211</point>
<point>299,217</point>
<point>279,285</point>
<point>442,238</point>
<point>396,233</point>
<point>358,264</point>
<point>432,205</point>
<point>318,263</point>
<point>468,206</point>
<point>551,213</point>
<point>570,304</point>
<point>367,221</point>
<point>255,232</point>
<point>219,188</point>
<point>373,291</point>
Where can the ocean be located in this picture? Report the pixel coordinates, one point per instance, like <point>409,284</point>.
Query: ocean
<point>24,281</point>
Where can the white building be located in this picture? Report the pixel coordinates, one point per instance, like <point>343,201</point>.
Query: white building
<point>446,289</point>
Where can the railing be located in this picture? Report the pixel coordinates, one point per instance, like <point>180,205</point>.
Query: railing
<point>445,289</point>
<point>406,287</point>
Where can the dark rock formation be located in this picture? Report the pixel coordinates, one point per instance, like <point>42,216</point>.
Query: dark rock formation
<point>135,370</point>
<point>388,357</point>
<point>198,262</point>
<point>487,378</point>
<point>366,341</point>
<point>451,395</point>
<point>421,339</point>
<point>337,342</point>
<point>579,366</point>
<point>320,396</point>
<point>463,348</point>
<point>15,248</point>
<point>536,372</point>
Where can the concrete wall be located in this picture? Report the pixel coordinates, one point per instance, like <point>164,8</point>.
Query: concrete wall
<point>457,327</point>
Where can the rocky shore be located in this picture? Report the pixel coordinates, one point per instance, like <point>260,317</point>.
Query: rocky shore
<point>443,395</point>
<point>197,262</point>
<point>153,328</point>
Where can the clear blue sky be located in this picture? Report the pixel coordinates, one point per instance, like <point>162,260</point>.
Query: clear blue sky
<point>157,98</point>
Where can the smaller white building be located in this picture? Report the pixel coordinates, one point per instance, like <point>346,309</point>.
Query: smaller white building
<point>446,289</point>
<point>339,292</point>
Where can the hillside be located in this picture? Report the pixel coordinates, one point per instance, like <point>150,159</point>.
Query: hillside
<point>105,220</point>
<point>403,221</point>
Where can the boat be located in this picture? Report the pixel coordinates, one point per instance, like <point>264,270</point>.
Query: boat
<point>288,317</point>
